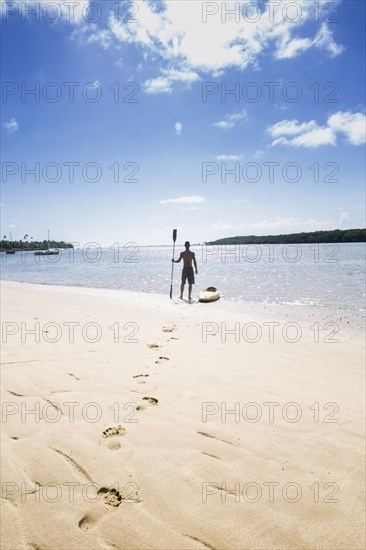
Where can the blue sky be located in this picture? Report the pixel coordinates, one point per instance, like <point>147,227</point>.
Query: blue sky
<point>174,130</point>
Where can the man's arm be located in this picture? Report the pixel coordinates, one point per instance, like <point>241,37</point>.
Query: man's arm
<point>179,259</point>
<point>194,262</point>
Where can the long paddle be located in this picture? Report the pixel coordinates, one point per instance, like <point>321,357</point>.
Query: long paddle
<point>171,282</point>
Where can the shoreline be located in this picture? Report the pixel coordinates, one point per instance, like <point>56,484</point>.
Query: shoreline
<point>350,320</point>
<point>161,422</point>
<point>318,283</point>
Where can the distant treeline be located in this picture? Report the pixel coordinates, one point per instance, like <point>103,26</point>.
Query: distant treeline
<point>336,236</point>
<point>32,245</point>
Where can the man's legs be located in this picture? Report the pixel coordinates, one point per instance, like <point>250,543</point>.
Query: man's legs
<point>181,291</point>
<point>190,292</point>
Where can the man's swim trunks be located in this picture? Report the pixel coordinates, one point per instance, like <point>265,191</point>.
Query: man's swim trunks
<point>188,273</point>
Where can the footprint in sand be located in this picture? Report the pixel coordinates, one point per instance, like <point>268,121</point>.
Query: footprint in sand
<point>111,497</point>
<point>153,346</point>
<point>107,500</point>
<point>147,401</point>
<point>140,378</point>
<point>113,435</point>
<point>170,329</point>
<point>162,360</point>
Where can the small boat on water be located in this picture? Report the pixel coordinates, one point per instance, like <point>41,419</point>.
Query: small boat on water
<point>49,251</point>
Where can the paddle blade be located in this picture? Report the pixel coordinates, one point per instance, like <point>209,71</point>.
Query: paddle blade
<point>171,292</point>
<point>174,235</point>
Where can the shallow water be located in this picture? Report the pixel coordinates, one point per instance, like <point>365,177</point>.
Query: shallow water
<point>315,276</point>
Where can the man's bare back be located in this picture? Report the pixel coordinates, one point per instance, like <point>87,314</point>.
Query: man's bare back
<point>187,257</point>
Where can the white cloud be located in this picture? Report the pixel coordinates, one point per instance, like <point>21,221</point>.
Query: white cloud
<point>90,33</point>
<point>311,134</point>
<point>181,76</point>
<point>192,199</point>
<point>158,85</point>
<point>11,126</point>
<point>175,33</point>
<point>324,39</point>
<point>224,124</point>
<point>292,47</point>
<point>229,157</point>
<point>259,154</point>
<point>102,37</point>
<point>291,128</point>
<point>164,83</point>
<point>353,126</point>
<point>230,120</point>
<point>178,128</point>
<point>238,116</point>
<point>315,138</point>
<point>312,139</point>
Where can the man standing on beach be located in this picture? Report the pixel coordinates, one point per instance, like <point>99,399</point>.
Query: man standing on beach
<point>187,273</point>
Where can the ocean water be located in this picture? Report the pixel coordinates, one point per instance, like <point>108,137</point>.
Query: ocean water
<point>313,276</point>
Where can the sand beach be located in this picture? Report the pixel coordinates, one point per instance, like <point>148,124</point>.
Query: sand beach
<point>128,425</point>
